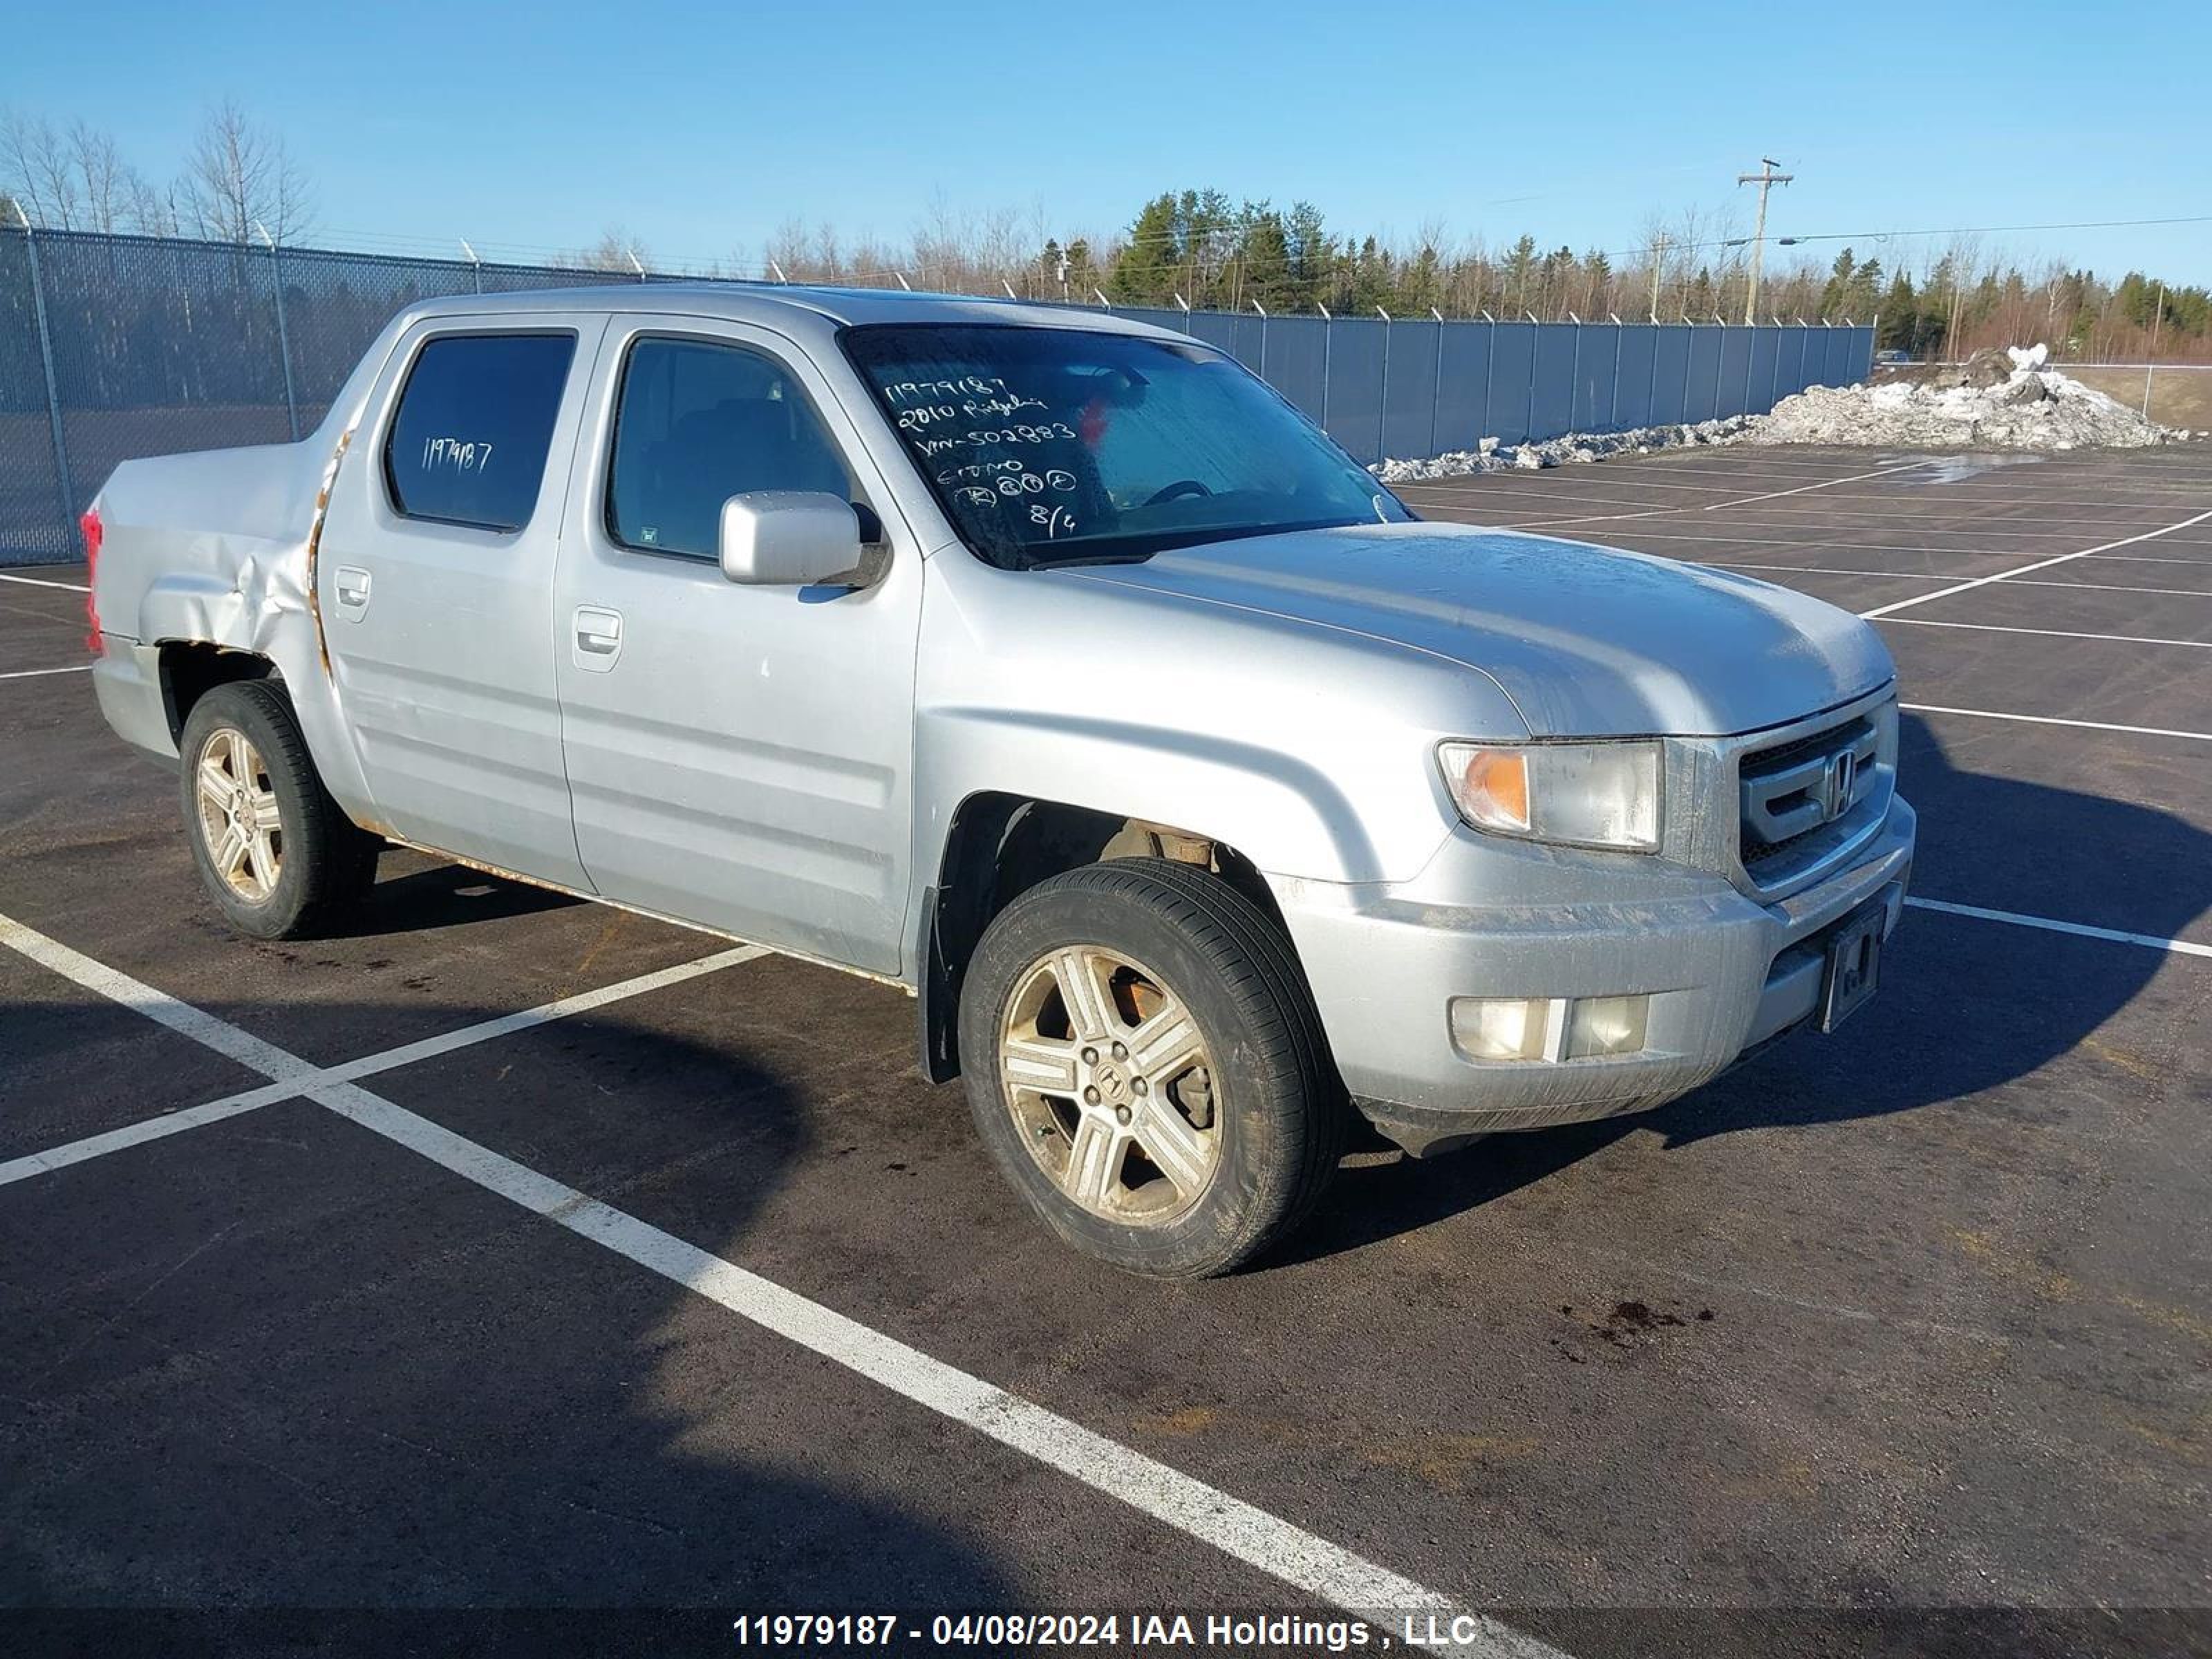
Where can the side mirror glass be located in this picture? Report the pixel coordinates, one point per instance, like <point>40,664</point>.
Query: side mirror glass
<point>789,537</point>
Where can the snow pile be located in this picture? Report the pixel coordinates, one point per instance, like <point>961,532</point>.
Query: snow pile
<point>2031,407</point>
<point>1494,457</point>
<point>1998,400</point>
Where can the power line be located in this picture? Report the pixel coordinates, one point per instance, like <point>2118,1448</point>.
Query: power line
<point>1995,230</point>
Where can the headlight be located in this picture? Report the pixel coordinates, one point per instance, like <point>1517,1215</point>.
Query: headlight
<point>1579,794</point>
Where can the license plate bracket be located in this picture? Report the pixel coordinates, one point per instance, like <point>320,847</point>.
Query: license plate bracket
<point>1854,964</point>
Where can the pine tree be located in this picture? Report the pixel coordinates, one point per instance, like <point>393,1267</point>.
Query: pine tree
<point>1264,252</point>
<point>1863,295</point>
<point>1520,271</point>
<point>1900,315</point>
<point>1144,274</point>
<point>1835,298</point>
<point>1313,255</point>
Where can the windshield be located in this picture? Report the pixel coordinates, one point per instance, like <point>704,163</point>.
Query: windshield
<point>1051,446</point>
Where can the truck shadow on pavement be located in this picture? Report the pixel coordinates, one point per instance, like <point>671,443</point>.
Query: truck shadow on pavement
<point>1967,1006</point>
<point>441,895</point>
<point>394,1412</point>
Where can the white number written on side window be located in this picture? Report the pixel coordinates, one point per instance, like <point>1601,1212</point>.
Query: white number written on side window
<point>462,454</point>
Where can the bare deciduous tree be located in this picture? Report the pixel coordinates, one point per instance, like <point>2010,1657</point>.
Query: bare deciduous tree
<point>35,166</point>
<point>110,184</point>
<point>72,180</point>
<point>616,250</point>
<point>239,180</point>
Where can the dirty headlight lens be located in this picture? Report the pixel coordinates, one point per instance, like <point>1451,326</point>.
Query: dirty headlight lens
<point>1578,794</point>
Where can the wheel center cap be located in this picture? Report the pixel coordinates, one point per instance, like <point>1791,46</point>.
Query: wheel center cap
<point>1112,1083</point>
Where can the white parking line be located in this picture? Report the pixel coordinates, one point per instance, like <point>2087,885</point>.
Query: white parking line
<point>2045,633</point>
<point>2053,719</point>
<point>1576,492</point>
<point>289,1087</point>
<point>1611,471</point>
<point>1646,513</point>
<point>1943,497</point>
<point>1767,528</point>
<point>1212,1516</point>
<point>42,581</point>
<point>1705,461</point>
<point>138,1133</point>
<point>1826,570</point>
<point>2180,947</point>
<point>1709,538</point>
<point>276,1064</point>
<point>2156,558</point>
<point>2010,529</point>
<point>2041,564</point>
<point>1491,521</point>
<point>1457,485</point>
<point>1206,1513</point>
<point>2118,587</point>
<point>33,673</point>
<point>1928,501</point>
<point>1786,536</point>
<point>1825,484</point>
<point>1597,517</point>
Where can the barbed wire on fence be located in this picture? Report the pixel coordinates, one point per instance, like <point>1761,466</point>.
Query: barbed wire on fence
<point>114,346</point>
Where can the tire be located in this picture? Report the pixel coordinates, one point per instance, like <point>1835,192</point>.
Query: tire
<point>1163,1162</point>
<point>245,764</point>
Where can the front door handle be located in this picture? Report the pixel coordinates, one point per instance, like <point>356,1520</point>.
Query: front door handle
<point>352,584</point>
<point>598,638</point>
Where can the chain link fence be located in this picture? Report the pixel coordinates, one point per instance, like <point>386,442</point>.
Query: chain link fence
<point>112,347</point>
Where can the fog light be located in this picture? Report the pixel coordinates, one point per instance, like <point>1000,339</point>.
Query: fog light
<point>1606,1025</point>
<point>1499,1028</point>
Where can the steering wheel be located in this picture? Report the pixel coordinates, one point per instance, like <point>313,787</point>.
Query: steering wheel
<point>1179,488</point>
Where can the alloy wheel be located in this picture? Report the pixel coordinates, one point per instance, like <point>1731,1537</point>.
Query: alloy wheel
<point>1110,1083</point>
<point>240,823</point>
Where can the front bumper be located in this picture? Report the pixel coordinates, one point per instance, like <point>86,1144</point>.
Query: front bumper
<point>1491,918</point>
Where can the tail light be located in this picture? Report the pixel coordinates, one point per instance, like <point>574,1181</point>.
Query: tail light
<point>90,524</point>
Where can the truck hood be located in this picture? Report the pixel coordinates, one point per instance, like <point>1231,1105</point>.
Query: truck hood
<point>1587,641</point>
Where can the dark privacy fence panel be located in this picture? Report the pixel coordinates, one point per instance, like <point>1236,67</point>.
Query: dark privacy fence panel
<point>1510,409</point>
<point>112,347</point>
<point>1410,402</point>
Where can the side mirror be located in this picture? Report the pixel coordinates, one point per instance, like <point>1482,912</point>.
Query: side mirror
<point>789,537</point>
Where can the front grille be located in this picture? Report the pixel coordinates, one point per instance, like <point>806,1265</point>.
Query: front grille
<point>1800,801</point>
<point>1759,856</point>
<point>1764,762</point>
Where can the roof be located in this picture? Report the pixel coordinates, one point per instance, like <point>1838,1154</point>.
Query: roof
<point>784,305</point>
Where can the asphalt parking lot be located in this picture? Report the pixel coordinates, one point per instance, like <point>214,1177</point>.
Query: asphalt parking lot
<point>377,1274</point>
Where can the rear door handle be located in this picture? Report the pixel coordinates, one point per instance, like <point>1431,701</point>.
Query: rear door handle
<point>352,584</point>
<point>598,638</point>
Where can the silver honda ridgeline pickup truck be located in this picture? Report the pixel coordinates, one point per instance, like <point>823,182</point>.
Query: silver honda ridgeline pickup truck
<point>1047,666</point>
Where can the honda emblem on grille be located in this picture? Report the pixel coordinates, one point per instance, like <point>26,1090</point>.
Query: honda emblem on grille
<point>1843,783</point>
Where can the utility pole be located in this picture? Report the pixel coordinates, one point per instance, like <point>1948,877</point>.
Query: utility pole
<point>1766,177</point>
<point>1658,265</point>
<point>2150,364</point>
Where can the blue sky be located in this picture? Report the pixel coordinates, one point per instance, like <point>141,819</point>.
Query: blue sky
<point>700,130</point>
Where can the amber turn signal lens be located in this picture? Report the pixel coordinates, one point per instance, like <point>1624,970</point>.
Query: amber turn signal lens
<point>1495,788</point>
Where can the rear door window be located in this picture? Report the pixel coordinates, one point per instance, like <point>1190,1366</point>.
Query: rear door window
<point>469,440</point>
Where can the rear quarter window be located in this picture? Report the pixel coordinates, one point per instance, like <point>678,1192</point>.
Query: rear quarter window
<point>469,440</point>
